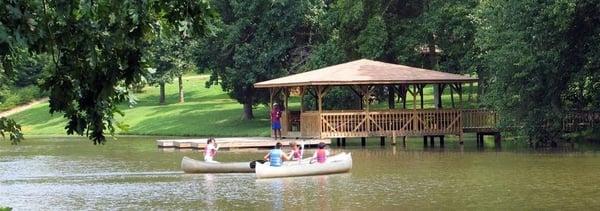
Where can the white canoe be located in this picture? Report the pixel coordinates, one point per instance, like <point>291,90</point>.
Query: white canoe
<point>335,164</point>
<point>190,165</point>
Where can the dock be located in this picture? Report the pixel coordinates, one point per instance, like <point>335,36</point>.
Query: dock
<point>236,142</point>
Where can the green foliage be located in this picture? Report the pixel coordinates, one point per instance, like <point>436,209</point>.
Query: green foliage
<point>337,98</point>
<point>255,44</point>
<point>537,55</point>
<point>96,48</point>
<point>17,96</point>
<point>12,128</point>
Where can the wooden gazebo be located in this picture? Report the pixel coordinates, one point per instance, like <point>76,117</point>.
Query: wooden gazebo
<point>362,76</point>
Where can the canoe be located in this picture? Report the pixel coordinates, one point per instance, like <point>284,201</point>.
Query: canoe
<point>190,165</point>
<point>335,164</point>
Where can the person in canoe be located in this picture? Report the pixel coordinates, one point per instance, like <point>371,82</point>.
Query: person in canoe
<point>210,151</point>
<point>276,156</point>
<point>320,154</point>
<point>296,152</point>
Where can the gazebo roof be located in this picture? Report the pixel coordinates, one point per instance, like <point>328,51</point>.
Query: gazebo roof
<point>365,72</point>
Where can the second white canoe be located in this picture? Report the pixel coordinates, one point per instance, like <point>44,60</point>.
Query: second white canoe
<point>334,164</point>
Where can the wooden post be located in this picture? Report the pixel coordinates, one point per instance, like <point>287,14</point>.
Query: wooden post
<point>438,96</point>
<point>393,138</point>
<point>460,101</point>
<point>432,141</point>
<point>363,141</point>
<point>286,118</point>
<point>470,93</point>
<point>301,100</point>
<point>442,141</point>
<point>382,140</point>
<point>338,141</point>
<point>414,116</point>
<point>424,141</point>
<point>271,93</point>
<point>497,140</point>
<point>320,105</point>
<point>366,95</point>
<point>343,142</point>
<point>421,87</point>
<point>414,94</point>
<point>452,95</point>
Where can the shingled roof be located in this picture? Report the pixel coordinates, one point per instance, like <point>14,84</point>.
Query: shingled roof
<point>366,72</point>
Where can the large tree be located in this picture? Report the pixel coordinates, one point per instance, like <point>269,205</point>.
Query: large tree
<point>257,42</point>
<point>541,58</point>
<point>96,47</point>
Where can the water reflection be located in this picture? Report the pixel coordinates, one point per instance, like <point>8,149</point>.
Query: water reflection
<point>209,190</point>
<point>322,192</point>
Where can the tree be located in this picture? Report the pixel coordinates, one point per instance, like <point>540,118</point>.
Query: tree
<point>539,55</point>
<point>257,42</point>
<point>433,34</point>
<point>96,48</point>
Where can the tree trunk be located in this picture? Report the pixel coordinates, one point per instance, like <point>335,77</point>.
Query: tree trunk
<point>162,94</point>
<point>181,100</point>
<point>248,111</point>
<point>391,97</point>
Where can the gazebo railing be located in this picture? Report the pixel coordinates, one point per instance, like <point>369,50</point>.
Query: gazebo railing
<point>479,120</point>
<point>384,123</point>
<point>580,120</point>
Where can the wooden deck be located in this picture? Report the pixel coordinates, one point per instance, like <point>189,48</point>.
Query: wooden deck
<point>235,142</point>
<point>420,122</point>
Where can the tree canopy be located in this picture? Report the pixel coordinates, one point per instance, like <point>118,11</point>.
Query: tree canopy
<point>96,48</point>
<point>535,60</point>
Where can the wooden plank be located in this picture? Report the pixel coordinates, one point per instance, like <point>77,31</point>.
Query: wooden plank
<point>237,142</point>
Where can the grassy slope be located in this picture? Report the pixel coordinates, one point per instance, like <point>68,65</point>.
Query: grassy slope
<point>206,112</point>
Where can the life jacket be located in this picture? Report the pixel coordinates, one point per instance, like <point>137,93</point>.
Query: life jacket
<point>321,156</point>
<point>275,157</point>
<point>210,151</point>
<point>296,155</point>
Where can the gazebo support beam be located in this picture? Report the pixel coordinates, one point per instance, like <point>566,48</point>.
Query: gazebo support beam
<point>421,87</point>
<point>301,100</point>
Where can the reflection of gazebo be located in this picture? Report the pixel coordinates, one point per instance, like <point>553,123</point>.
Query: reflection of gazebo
<point>362,76</point>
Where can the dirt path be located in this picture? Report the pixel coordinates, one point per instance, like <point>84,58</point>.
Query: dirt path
<point>22,107</point>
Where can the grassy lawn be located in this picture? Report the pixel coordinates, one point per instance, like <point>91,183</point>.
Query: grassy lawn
<point>206,112</point>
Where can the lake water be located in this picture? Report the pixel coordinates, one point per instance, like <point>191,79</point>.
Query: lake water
<point>131,173</point>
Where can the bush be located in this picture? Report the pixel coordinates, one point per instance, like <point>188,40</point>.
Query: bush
<point>19,96</point>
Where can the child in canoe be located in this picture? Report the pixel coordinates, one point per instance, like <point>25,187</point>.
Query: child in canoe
<point>320,154</point>
<point>276,156</point>
<point>210,151</point>
<point>296,153</point>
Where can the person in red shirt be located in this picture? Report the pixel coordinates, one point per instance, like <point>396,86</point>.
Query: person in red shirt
<point>276,120</point>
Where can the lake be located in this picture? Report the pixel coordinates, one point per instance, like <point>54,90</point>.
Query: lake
<point>132,173</point>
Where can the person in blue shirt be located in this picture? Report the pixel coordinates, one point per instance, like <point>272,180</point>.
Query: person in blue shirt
<point>276,156</point>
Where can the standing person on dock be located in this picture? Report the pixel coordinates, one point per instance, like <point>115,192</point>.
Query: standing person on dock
<point>276,120</point>
<point>295,153</point>
<point>276,156</point>
<point>320,154</point>
<point>210,151</point>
